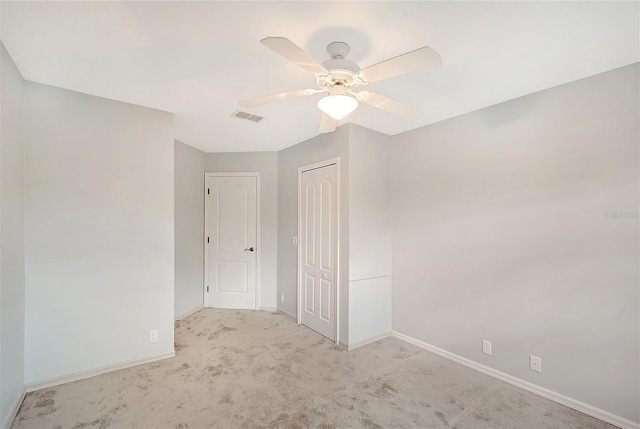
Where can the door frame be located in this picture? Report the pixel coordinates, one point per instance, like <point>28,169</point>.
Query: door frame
<point>207,176</point>
<point>301,170</point>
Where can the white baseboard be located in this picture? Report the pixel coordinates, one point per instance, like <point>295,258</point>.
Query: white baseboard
<point>14,410</point>
<point>80,375</point>
<point>271,309</point>
<point>353,346</point>
<point>530,387</point>
<point>189,313</point>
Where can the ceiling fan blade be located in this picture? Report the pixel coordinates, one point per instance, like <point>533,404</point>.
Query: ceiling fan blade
<point>327,124</point>
<point>419,59</point>
<point>293,53</point>
<point>278,97</point>
<point>387,104</point>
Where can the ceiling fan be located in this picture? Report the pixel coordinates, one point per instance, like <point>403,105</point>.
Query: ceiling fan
<point>340,77</point>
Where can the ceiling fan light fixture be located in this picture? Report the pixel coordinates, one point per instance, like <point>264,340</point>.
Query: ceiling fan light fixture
<point>337,106</point>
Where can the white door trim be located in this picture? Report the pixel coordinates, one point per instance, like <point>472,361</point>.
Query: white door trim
<point>207,176</point>
<point>301,170</point>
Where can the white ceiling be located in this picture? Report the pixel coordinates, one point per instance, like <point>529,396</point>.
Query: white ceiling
<point>198,59</point>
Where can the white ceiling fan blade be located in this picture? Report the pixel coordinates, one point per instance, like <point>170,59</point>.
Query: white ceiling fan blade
<point>387,104</point>
<point>419,59</point>
<point>278,97</point>
<point>293,53</point>
<point>327,124</point>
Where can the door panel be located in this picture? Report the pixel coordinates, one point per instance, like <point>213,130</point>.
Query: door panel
<point>231,207</point>
<point>232,229</point>
<point>310,306</point>
<point>318,243</point>
<point>326,225</point>
<point>232,276</point>
<point>310,224</point>
<point>325,300</point>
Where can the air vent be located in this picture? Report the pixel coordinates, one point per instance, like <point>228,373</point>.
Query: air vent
<point>255,118</point>
<point>248,116</point>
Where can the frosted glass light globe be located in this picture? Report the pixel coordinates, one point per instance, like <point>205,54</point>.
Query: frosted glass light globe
<point>338,106</point>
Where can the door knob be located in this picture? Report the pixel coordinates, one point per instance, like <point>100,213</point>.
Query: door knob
<point>250,249</point>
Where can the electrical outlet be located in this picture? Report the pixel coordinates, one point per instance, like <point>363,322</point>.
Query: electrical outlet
<point>294,241</point>
<point>153,336</point>
<point>486,347</point>
<point>535,363</point>
<point>281,297</point>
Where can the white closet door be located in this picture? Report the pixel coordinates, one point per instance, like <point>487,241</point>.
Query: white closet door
<point>318,247</point>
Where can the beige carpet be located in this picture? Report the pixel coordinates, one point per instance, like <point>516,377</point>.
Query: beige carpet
<point>251,369</point>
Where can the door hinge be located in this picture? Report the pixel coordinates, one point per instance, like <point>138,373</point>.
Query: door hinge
<point>208,191</point>
<point>207,239</point>
<point>207,288</point>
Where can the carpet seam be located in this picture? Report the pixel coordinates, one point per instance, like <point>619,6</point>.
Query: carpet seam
<point>473,408</point>
<point>327,396</point>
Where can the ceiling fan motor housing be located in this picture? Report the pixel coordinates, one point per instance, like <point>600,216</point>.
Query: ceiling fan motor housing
<point>341,71</point>
<point>340,64</point>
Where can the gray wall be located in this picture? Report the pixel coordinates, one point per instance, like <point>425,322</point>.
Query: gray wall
<point>369,235</point>
<point>265,163</point>
<point>502,230</point>
<point>189,228</point>
<point>12,283</point>
<point>369,204</point>
<point>99,232</point>
<point>320,148</point>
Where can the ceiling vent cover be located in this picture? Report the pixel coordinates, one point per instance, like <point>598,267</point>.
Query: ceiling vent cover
<point>248,116</point>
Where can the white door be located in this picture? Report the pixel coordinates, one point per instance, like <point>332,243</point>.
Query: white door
<point>232,245</point>
<point>318,249</point>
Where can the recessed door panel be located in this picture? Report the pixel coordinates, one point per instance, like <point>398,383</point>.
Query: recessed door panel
<point>325,299</point>
<point>326,225</point>
<point>232,276</point>
<point>309,294</point>
<point>310,224</point>
<point>233,224</point>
